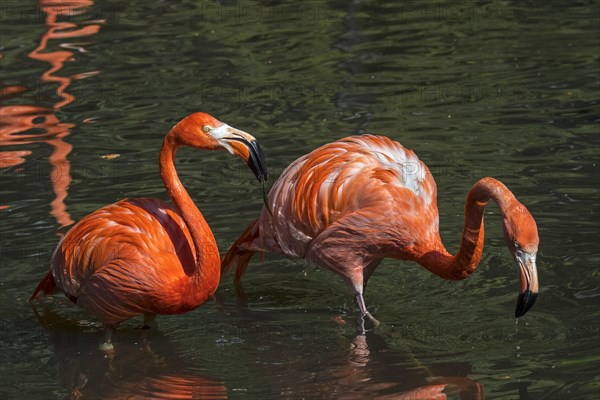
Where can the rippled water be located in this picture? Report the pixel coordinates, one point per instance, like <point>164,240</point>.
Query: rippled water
<point>505,89</point>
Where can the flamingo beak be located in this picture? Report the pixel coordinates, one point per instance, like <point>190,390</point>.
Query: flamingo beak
<point>246,147</point>
<point>528,288</point>
<point>256,161</point>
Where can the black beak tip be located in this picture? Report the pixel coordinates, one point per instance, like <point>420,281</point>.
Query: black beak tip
<point>525,301</point>
<point>256,159</point>
<point>257,163</point>
<point>262,178</point>
<point>258,170</point>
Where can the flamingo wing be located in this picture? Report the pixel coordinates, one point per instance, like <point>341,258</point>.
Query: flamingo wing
<point>125,259</point>
<point>371,184</point>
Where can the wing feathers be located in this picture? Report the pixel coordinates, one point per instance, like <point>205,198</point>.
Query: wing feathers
<point>124,259</point>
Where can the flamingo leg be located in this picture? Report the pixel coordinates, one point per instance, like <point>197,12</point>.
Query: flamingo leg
<point>360,301</point>
<point>352,268</point>
<point>359,284</point>
<point>149,321</point>
<point>108,346</point>
<point>367,272</point>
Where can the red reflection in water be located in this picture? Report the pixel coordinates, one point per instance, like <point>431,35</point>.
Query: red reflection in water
<point>60,31</point>
<point>417,382</point>
<point>369,369</point>
<point>17,120</point>
<point>145,365</point>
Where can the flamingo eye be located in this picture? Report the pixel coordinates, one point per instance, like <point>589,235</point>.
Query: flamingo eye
<point>206,128</point>
<point>516,244</point>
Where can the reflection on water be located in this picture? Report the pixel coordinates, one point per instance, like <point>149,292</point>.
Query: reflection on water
<point>42,123</point>
<point>146,365</point>
<point>21,118</point>
<point>61,30</point>
<point>369,369</point>
<point>505,89</point>
<point>319,359</point>
<point>9,158</point>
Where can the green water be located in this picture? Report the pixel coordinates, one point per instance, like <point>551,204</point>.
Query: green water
<point>503,89</point>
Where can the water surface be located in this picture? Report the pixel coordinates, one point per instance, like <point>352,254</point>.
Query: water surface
<point>502,89</point>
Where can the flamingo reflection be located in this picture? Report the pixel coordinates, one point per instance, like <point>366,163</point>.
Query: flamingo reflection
<point>357,367</point>
<point>147,369</point>
<point>23,124</point>
<point>16,121</point>
<point>370,369</point>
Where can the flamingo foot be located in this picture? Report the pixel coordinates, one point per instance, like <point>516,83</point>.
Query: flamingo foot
<point>372,319</point>
<point>366,323</point>
<point>372,322</point>
<point>108,346</point>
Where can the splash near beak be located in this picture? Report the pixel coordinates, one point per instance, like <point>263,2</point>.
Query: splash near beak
<point>528,289</point>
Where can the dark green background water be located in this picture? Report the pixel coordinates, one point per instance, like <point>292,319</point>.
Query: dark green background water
<point>500,88</point>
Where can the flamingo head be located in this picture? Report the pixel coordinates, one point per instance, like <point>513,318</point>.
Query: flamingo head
<point>203,131</point>
<point>521,236</point>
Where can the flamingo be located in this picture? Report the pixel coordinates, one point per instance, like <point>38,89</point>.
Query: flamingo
<point>143,256</point>
<point>350,203</point>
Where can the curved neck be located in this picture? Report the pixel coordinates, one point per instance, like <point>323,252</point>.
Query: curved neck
<point>207,268</point>
<point>466,260</point>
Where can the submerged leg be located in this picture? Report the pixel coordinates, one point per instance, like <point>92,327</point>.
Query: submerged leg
<point>149,321</point>
<point>324,252</point>
<point>108,338</point>
<point>241,293</point>
<point>360,302</point>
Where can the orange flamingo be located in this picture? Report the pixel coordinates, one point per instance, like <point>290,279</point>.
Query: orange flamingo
<point>142,256</point>
<point>351,203</point>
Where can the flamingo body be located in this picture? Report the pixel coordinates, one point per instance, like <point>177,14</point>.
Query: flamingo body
<point>143,256</point>
<point>349,204</point>
<point>341,206</point>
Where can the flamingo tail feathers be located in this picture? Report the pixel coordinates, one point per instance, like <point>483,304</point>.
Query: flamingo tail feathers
<point>46,286</point>
<point>239,254</point>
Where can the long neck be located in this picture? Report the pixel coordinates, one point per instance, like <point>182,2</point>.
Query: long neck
<point>207,269</point>
<point>466,260</point>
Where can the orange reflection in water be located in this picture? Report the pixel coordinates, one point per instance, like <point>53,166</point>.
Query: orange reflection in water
<point>17,120</point>
<point>369,369</point>
<point>144,365</point>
